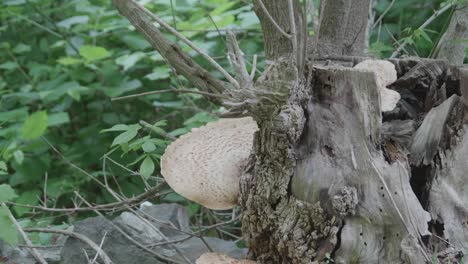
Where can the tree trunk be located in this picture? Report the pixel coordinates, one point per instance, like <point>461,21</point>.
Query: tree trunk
<point>330,176</point>
<point>333,177</point>
<point>453,43</point>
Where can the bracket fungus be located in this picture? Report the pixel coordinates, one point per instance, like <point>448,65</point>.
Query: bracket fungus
<point>205,165</point>
<point>386,74</point>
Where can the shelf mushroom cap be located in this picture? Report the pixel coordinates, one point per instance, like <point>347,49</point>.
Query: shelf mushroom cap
<point>385,74</point>
<point>205,165</point>
<point>216,258</point>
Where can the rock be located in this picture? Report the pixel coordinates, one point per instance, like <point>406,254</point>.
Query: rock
<point>169,223</point>
<point>17,255</point>
<point>12,255</point>
<point>164,215</point>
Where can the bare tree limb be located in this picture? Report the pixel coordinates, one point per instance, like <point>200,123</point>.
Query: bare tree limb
<point>278,44</point>
<point>423,26</point>
<point>28,242</point>
<point>105,258</point>
<point>272,20</point>
<point>454,41</point>
<point>292,22</point>
<point>237,59</point>
<point>181,62</point>
<point>383,14</point>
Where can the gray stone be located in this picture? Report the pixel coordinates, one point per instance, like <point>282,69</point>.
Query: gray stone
<point>167,220</point>
<point>12,255</point>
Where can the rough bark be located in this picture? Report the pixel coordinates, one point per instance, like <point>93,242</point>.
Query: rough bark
<point>277,44</point>
<point>330,174</point>
<point>343,28</point>
<point>453,43</point>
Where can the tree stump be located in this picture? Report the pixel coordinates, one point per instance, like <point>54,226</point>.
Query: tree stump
<point>333,177</point>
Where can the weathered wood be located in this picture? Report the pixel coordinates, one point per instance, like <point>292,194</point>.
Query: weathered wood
<point>340,151</point>
<point>451,46</point>
<point>343,27</point>
<point>277,44</point>
<point>329,176</point>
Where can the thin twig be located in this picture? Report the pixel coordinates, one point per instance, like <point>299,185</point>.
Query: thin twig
<point>151,193</point>
<point>383,14</point>
<point>189,43</point>
<point>423,26</point>
<point>105,258</point>
<point>167,91</point>
<point>293,30</point>
<point>254,67</point>
<point>28,242</point>
<point>131,239</point>
<point>272,20</point>
<point>161,133</point>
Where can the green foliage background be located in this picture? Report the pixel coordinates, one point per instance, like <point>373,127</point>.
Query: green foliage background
<point>62,61</point>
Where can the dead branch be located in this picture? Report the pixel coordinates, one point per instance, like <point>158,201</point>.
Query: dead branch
<point>78,236</point>
<point>174,55</point>
<point>423,26</point>
<point>28,242</point>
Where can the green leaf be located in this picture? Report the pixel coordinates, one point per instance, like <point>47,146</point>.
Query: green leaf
<point>425,36</point>
<point>129,60</point>
<point>69,61</point>
<point>93,53</point>
<point>147,167</point>
<point>14,115</point>
<point>19,156</point>
<point>118,127</point>
<point>10,65</point>
<point>29,198</point>
<point>159,73</point>
<point>6,193</point>
<point>126,136</point>
<point>3,166</point>
<point>148,147</point>
<point>22,48</point>
<point>8,231</point>
<point>35,125</point>
<point>56,119</point>
<point>67,23</point>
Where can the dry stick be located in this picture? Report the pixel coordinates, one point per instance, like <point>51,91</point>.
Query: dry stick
<point>293,31</point>
<point>393,37</point>
<point>28,242</point>
<point>254,67</point>
<point>383,14</point>
<point>159,132</point>
<point>189,43</point>
<point>78,236</point>
<point>138,244</point>
<point>100,246</point>
<point>167,91</point>
<point>71,163</point>
<point>137,214</point>
<point>110,206</point>
<point>423,26</point>
<point>272,20</point>
<point>198,233</point>
<point>392,200</point>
